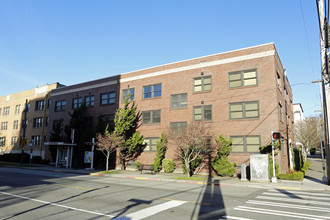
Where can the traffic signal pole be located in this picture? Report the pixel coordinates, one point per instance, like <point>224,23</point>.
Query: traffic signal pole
<point>325,77</point>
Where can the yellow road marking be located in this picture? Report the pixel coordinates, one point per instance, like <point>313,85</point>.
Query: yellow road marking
<point>76,187</point>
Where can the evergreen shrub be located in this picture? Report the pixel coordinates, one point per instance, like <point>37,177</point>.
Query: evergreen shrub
<point>168,165</point>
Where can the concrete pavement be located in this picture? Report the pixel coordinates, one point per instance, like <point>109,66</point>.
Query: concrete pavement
<point>311,182</point>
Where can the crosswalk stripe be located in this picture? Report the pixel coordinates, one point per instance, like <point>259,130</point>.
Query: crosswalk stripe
<point>296,196</point>
<point>280,213</point>
<point>234,218</point>
<point>144,213</point>
<point>299,192</point>
<point>294,200</point>
<point>286,205</point>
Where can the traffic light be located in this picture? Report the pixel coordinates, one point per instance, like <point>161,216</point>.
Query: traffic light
<point>276,135</point>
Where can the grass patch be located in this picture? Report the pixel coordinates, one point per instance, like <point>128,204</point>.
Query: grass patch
<point>108,172</point>
<point>194,178</point>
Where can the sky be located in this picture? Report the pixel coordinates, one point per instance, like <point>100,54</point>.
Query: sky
<point>74,41</point>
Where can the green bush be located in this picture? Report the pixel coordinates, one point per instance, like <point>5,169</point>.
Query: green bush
<point>168,165</point>
<point>298,159</point>
<point>291,176</point>
<point>160,155</point>
<point>312,151</point>
<point>221,163</point>
<point>36,159</point>
<point>15,158</point>
<point>138,165</point>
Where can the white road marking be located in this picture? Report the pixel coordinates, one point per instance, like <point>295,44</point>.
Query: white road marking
<point>280,213</point>
<point>55,204</point>
<point>235,218</point>
<point>299,192</point>
<point>294,200</point>
<point>286,205</point>
<point>297,196</point>
<point>152,210</point>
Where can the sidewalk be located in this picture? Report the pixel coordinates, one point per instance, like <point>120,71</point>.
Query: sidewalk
<point>311,182</point>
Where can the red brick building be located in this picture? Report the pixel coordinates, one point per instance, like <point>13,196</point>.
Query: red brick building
<point>242,94</point>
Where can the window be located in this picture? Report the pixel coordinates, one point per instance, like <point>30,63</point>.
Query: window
<point>40,105</point>
<point>60,106</point>
<point>89,100</point>
<point>2,141</point>
<point>179,101</point>
<point>76,103</point>
<point>13,141</point>
<point>278,80</point>
<point>126,92</point>
<point>108,98</point>
<point>280,111</point>
<point>36,140</point>
<point>37,122</point>
<point>18,109</point>
<point>6,110</point>
<point>151,117</point>
<point>177,127</point>
<point>4,125</point>
<point>0,111</point>
<point>242,78</point>
<point>244,110</point>
<point>203,113</point>
<point>202,84</point>
<point>15,125</point>
<point>47,121</point>
<point>49,102</point>
<point>245,144</point>
<point>151,144</point>
<point>152,91</point>
<point>57,124</point>
<point>108,120</point>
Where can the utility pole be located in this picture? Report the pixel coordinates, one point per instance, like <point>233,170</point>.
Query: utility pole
<point>325,77</point>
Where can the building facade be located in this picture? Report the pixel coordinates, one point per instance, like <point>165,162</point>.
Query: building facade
<point>242,94</point>
<point>13,117</point>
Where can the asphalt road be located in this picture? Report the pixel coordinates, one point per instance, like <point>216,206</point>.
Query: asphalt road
<point>33,194</point>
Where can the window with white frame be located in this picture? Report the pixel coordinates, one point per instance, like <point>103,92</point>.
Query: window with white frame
<point>36,140</point>
<point>18,109</point>
<point>126,92</point>
<point>152,91</point>
<point>151,144</point>
<point>40,105</point>
<point>179,101</point>
<point>203,113</point>
<point>2,141</point>
<point>242,78</point>
<point>6,110</point>
<point>243,110</point>
<point>13,141</point>
<point>37,122</point>
<point>280,110</point>
<point>4,125</point>
<point>108,98</point>
<point>245,144</point>
<point>202,84</point>
<point>15,126</point>
<point>151,117</point>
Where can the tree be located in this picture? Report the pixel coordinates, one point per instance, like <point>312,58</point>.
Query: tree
<point>56,136</point>
<point>192,144</point>
<point>221,163</point>
<point>107,143</point>
<point>126,124</point>
<point>160,155</point>
<point>308,132</point>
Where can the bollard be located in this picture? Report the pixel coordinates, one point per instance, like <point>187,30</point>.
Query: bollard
<point>243,172</point>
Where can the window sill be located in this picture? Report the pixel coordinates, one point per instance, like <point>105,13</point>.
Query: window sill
<point>178,108</point>
<point>202,92</point>
<point>144,99</point>
<point>243,87</point>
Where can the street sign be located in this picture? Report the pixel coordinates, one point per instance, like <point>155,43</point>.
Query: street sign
<point>23,142</point>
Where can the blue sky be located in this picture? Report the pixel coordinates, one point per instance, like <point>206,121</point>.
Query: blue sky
<point>73,41</point>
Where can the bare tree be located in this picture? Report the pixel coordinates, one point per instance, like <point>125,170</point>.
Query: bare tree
<point>308,132</point>
<point>108,143</point>
<point>192,143</point>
